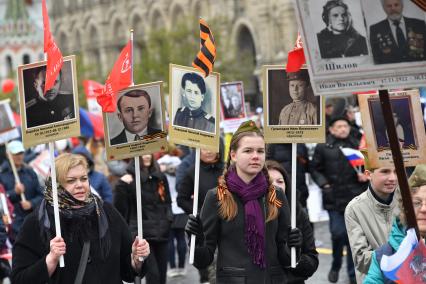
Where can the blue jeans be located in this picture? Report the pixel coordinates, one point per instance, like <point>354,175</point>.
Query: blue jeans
<point>179,235</point>
<point>339,239</point>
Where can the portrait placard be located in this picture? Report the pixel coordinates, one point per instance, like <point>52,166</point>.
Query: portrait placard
<point>292,114</point>
<point>409,125</point>
<point>8,130</point>
<point>360,45</point>
<point>51,116</point>
<point>137,126</point>
<point>232,106</point>
<point>194,108</point>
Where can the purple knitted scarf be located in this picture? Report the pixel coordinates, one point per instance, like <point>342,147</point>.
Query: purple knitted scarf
<point>254,220</point>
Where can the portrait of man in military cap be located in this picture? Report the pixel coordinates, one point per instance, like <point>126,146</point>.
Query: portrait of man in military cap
<point>191,107</point>
<point>291,100</point>
<point>400,36</point>
<point>56,105</point>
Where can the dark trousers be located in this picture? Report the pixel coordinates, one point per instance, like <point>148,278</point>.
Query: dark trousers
<point>339,239</point>
<point>179,236</point>
<point>157,263</point>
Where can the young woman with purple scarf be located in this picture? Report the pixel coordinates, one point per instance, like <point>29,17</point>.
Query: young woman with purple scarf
<point>246,217</point>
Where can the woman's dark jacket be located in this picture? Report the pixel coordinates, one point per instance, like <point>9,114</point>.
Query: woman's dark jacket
<point>209,174</point>
<point>234,263</point>
<point>30,251</point>
<point>157,215</point>
<point>330,166</point>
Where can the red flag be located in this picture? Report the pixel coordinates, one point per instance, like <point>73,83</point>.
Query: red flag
<point>54,55</point>
<point>296,57</point>
<point>90,86</point>
<point>119,78</point>
<point>412,269</point>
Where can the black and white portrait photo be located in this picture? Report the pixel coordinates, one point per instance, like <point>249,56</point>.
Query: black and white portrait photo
<point>403,119</point>
<point>193,100</point>
<point>232,100</point>
<point>138,115</point>
<point>339,37</point>
<point>291,100</point>
<point>397,31</point>
<point>57,104</point>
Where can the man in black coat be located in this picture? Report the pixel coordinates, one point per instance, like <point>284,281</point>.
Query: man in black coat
<point>134,111</point>
<point>397,38</point>
<point>340,183</point>
<point>54,106</point>
<point>192,114</point>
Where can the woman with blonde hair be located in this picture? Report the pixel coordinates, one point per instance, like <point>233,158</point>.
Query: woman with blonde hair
<point>96,243</point>
<point>245,216</point>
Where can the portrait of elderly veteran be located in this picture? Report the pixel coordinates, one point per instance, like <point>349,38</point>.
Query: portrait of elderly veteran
<point>56,105</point>
<point>397,38</point>
<point>339,38</point>
<point>194,98</point>
<point>300,111</point>
<point>134,111</point>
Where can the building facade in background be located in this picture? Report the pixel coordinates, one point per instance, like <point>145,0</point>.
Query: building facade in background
<point>98,29</point>
<point>21,35</point>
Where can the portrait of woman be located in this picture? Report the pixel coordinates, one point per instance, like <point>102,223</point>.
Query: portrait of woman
<point>339,38</point>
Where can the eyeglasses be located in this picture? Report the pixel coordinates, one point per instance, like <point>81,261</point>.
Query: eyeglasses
<point>417,204</point>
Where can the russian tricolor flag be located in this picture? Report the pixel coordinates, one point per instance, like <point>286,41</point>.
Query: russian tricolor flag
<point>393,264</point>
<point>355,157</point>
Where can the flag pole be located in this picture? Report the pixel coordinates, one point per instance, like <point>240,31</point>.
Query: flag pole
<point>195,203</point>
<point>137,170</point>
<point>15,172</point>
<point>398,161</point>
<point>293,198</point>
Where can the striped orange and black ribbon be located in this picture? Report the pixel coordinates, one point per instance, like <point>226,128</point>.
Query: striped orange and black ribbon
<point>420,3</point>
<point>207,54</point>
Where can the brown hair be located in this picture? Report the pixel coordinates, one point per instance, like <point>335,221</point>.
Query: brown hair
<point>227,206</point>
<point>67,161</point>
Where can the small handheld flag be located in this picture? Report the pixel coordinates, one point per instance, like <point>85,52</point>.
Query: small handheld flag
<point>296,57</point>
<point>54,55</point>
<point>207,54</point>
<point>119,78</point>
<point>354,157</point>
<point>391,264</point>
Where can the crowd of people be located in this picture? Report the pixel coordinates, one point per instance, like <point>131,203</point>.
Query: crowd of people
<point>243,232</point>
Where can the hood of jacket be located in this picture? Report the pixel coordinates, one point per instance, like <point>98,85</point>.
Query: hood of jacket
<point>398,233</point>
<point>82,150</point>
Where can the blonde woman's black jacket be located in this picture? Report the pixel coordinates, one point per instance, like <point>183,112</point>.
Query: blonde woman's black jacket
<point>156,214</point>
<point>234,264</point>
<point>29,254</point>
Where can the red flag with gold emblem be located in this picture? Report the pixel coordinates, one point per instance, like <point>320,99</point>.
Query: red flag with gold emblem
<point>119,78</point>
<point>54,55</point>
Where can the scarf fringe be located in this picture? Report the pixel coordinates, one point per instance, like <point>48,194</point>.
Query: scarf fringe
<point>255,242</point>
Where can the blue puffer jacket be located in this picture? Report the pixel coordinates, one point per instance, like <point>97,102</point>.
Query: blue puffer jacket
<point>375,274</point>
<point>33,191</point>
<point>97,180</point>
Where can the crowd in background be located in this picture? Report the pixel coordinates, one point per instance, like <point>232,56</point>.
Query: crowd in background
<point>167,181</point>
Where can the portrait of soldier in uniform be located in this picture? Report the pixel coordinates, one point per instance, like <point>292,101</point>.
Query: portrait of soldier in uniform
<point>397,38</point>
<point>134,110</point>
<point>339,38</point>
<point>194,96</point>
<point>402,117</point>
<point>232,98</point>
<point>54,106</point>
<point>300,111</point>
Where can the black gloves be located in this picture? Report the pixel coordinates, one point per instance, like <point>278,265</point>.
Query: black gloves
<point>295,238</point>
<point>195,227</point>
